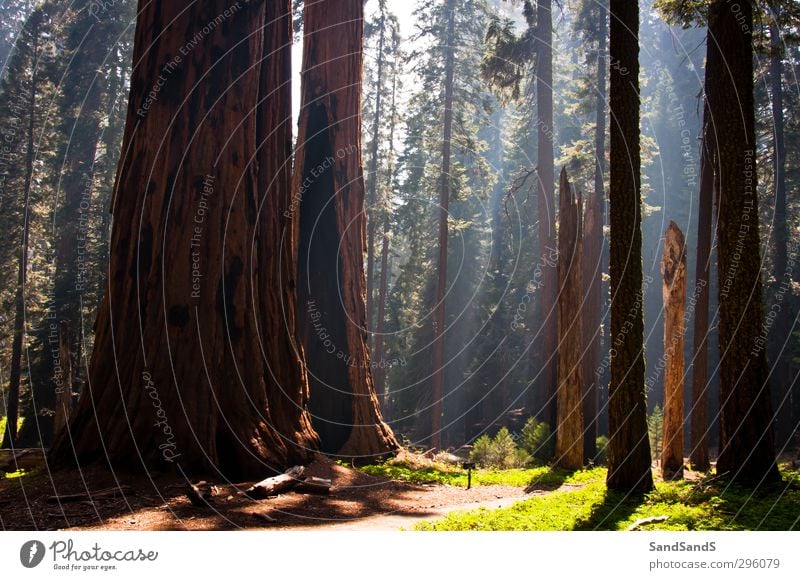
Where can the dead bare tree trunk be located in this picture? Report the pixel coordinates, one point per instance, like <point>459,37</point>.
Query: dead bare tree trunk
<point>569,429</point>
<point>329,194</point>
<point>673,270</point>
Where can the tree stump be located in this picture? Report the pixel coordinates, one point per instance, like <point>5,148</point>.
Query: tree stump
<point>569,431</point>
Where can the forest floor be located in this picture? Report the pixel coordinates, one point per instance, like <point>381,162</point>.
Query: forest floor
<point>405,493</point>
<point>357,500</point>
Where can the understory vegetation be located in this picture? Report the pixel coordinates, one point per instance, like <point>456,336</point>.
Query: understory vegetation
<point>582,502</point>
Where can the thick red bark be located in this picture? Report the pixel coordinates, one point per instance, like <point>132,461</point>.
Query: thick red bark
<point>673,270</point>
<point>194,364</point>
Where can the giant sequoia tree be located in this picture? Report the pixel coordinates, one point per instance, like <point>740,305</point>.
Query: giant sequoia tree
<point>194,361</point>
<point>329,197</point>
<point>746,449</point>
<point>629,446</point>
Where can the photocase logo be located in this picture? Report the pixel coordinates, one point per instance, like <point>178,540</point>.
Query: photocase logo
<point>31,553</point>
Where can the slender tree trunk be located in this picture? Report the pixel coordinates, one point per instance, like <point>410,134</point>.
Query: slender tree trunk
<point>194,363</point>
<point>747,452</point>
<point>546,210</point>
<point>593,255</point>
<point>782,329</point>
<point>329,191</point>
<point>569,428</point>
<point>673,270</point>
<point>380,369</point>
<point>372,180</point>
<point>444,212</point>
<point>63,383</point>
<point>15,372</point>
<point>629,446</point>
<point>699,456</point>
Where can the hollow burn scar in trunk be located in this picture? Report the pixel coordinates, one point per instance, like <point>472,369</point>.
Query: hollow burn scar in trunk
<point>319,304</point>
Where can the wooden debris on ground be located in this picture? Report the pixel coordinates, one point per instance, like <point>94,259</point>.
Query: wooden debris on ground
<point>294,479</point>
<point>277,484</point>
<point>645,521</point>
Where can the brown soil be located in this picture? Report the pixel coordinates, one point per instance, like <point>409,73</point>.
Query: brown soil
<point>159,502</point>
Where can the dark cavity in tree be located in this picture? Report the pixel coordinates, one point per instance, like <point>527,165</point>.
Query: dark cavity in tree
<point>321,312</point>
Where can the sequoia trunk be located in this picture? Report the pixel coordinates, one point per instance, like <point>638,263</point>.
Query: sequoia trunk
<point>195,363</point>
<point>329,195</point>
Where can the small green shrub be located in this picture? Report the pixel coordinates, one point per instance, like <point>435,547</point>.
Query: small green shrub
<point>655,426</point>
<point>481,450</point>
<point>500,452</point>
<point>536,441</point>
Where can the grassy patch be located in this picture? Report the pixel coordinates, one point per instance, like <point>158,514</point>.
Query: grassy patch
<point>705,505</point>
<point>451,475</point>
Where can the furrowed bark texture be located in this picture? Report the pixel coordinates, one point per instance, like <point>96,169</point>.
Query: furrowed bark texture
<point>629,445</point>
<point>194,364</point>
<point>673,270</point>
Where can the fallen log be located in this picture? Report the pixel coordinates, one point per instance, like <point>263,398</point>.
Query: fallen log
<point>318,485</point>
<point>644,521</point>
<point>91,496</point>
<point>277,484</point>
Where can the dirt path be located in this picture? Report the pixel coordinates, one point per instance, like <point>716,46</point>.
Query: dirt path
<point>158,502</point>
<point>387,523</point>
